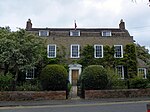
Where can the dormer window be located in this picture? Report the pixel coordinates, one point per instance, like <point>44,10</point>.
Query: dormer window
<point>75,33</point>
<point>43,33</point>
<point>106,33</point>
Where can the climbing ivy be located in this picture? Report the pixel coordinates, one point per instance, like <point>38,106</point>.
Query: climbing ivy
<point>87,56</point>
<point>131,60</point>
<point>60,57</point>
<point>108,61</point>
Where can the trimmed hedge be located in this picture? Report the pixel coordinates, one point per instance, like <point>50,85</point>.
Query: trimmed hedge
<point>53,77</point>
<point>94,77</point>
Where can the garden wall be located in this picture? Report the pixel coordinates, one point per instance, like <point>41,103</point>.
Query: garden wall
<point>123,93</point>
<point>32,95</point>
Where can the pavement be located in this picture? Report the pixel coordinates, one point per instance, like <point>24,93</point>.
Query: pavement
<point>69,101</point>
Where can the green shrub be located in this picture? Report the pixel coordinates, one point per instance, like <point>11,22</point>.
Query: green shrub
<point>114,81</point>
<point>69,87</point>
<point>6,82</point>
<point>30,85</point>
<point>94,77</point>
<point>138,83</point>
<point>53,77</point>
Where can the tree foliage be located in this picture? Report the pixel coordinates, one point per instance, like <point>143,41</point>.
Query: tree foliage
<point>148,2</point>
<point>19,50</point>
<point>6,82</point>
<point>143,54</point>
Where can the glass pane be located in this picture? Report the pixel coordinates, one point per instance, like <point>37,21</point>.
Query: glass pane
<point>30,74</point>
<point>43,33</point>
<point>52,49</point>
<point>98,51</point>
<point>117,51</point>
<point>120,71</point>
<point>74,51</point>
<point>75,33</point>
<point>106,33</point>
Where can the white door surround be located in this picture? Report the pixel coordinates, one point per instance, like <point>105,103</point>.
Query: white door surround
<point>74,67</point>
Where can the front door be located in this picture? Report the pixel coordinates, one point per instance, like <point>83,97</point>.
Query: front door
<point>75,75</point>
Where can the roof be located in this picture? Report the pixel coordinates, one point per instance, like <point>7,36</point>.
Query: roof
<point>82,29</point>
<point>141,63</point>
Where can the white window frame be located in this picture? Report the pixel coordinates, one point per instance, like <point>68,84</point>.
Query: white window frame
<point>106,33</point>
<point>120,73</point>
<point>48,51</point>
<point>144,74</point>
<point>95,51</point>
<point>115,54</point>
<point>30,74</point>
<point>40,34</point>
<point>76,31</point>
<point>78,52</point>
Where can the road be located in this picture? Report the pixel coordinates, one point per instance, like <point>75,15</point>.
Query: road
<point>133,106</point>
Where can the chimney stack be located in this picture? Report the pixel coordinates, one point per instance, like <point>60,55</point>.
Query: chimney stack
<point>29,25</point>
<point>122,24</point>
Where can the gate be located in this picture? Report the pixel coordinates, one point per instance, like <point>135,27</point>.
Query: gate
<point>67,89</point>
<point>81,89</point>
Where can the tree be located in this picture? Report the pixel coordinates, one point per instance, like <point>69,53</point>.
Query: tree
<point>6,45</point>
<point>143,54</point>
<point>147,3</point>
<point>19,50</point>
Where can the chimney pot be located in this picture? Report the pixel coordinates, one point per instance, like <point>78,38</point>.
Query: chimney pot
<point>122,24</point>
<point>29,25</point>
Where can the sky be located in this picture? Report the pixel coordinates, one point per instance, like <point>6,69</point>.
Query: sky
<point>87,13</point>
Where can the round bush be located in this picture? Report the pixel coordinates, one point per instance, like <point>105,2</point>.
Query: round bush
<point>53,77</point>
<point>94,77</point>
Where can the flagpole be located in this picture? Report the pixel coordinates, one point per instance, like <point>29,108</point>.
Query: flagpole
<point>75,25</point>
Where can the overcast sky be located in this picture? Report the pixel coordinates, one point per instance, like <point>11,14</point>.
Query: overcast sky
<point>87,13</point>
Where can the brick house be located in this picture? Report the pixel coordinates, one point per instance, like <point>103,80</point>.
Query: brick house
<point>73,40</point>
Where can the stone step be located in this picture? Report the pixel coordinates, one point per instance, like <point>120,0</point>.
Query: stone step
<point>74,92</point>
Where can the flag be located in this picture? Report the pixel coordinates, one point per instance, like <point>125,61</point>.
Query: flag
<point>75,25</point>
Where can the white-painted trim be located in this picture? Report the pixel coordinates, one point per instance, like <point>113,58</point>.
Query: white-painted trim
<point>121,51</point>
<point>122,74</point>
<point>108,33</point>
<point>48,50</point>
<point>71,33</point>
<point>95,51</point>
<point>32,74</point>
<point>74,67</point>
<point>78,50</point>
<point>45,31</point>
<point>145,72</point>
